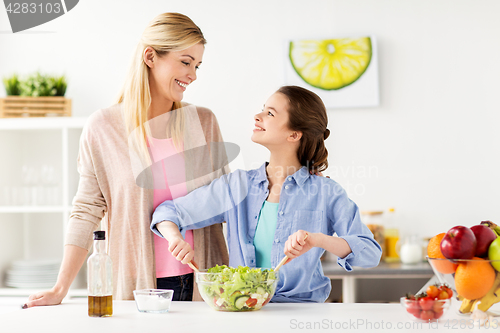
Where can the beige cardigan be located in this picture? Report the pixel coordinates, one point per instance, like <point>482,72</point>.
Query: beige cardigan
<point>107,192</point>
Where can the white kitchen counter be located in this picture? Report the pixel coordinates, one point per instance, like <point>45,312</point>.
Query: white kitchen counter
<point>198,317</point>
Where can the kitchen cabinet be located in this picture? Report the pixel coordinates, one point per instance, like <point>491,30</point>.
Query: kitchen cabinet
<point>385,283</point>
<point>38,180</point>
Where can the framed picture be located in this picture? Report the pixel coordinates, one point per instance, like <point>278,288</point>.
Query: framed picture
<point>342,71</point>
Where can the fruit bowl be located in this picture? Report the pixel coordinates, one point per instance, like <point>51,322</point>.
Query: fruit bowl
<point>475,282</point>
<point>237,289</point>
<point>425,310</point>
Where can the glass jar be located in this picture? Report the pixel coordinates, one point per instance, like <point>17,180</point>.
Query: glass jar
<point>374,222</point>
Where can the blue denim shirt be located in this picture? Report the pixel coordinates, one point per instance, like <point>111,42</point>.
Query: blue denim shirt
<point>307,202</point>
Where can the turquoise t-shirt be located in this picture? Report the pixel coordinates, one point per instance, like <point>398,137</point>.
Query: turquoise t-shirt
<point>264,234</point>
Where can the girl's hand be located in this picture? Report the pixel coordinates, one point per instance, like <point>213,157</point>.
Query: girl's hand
<point>296,245</point>
<point>181,249</point>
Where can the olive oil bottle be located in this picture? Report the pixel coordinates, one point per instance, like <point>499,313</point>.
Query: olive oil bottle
<point>100,279</point>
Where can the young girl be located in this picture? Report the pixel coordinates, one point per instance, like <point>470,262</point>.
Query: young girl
<point>270,210</point>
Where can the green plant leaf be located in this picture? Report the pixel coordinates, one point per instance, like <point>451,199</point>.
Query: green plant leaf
<point>12,85</point>
<point>43,85</point>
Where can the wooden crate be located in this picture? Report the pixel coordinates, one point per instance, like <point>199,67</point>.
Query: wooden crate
<point>21,106</point>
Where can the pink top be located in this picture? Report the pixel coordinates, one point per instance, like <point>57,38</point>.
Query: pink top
<point>175,174</point>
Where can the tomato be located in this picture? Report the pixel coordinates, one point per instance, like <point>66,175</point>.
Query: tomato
<point>266,301</point>
<point>426,303</point>
<point>427,315</point>
<point>432,291</point>
<point>438,314</point>
<point>443,295</point>
<point>251,302</point>
<point>446,289</point>
<point>449,291</point>
<point>438,306</point>
<point>413,308</point>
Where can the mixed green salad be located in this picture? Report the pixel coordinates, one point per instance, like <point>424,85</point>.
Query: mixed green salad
<point>237,289</point>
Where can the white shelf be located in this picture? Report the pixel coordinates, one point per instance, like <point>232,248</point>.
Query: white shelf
<point>37,231</point>
<point>5,292</point>
<point>42,123</point>
<point>34,209</point>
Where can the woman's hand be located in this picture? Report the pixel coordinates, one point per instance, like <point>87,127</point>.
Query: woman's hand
<point>47,297</point>
<point>297,244</point>
<point>180,249</point>
<point>73,259</point>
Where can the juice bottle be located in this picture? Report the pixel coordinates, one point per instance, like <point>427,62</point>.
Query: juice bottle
<point>391,236</point>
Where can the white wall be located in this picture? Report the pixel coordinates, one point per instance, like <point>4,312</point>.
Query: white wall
<point>430,149</point>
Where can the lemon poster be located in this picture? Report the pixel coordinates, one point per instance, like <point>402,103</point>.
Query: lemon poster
<point>342,71</point>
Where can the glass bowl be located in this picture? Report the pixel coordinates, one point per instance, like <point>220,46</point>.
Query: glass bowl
<point>238,292</point>
<point>153,300</point>
<point>425,310</point>
<point>475,282</point>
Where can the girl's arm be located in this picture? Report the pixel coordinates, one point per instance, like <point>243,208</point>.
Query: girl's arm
<point>354,246</point>
<point>204,206</point>
<point>296,246</point>
<point>179,248</point>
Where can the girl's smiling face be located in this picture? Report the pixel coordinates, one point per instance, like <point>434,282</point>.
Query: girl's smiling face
<point>271,125</point>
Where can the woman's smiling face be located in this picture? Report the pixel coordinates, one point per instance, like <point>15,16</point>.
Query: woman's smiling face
<point>171,73</point>
<point>271,125</point>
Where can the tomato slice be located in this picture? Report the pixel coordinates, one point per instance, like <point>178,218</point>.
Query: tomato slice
<point>251,302</point>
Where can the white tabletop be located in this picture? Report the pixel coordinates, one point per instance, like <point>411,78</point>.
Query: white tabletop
<point>198,317</point>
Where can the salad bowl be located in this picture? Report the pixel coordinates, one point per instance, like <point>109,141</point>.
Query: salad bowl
<point>237,289</point>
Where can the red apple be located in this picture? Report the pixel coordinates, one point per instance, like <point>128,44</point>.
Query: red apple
<point>484,237</point>
<point>459,243</point>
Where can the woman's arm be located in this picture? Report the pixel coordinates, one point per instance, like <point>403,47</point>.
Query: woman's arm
<point>73,259</point>
<point>89,207</point>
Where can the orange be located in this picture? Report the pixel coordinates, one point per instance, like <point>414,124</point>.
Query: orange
<point>434,251</point>
<point>474,278</point>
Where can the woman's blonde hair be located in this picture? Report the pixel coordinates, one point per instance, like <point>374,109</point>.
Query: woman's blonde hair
<point>166,32</point>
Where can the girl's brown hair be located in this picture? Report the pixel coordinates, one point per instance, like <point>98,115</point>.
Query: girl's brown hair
<point>307,114</point>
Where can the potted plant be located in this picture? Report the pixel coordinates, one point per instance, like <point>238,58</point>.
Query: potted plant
<point>36,95</point>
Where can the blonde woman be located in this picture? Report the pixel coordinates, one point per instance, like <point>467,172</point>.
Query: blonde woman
<point>148,148</point>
